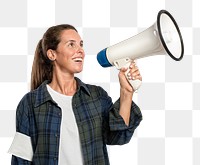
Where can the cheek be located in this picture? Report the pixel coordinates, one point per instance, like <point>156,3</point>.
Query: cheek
<point>63,59</point>
<point>67,55</point>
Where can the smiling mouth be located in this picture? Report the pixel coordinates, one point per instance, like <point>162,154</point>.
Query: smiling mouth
<point>78,59</point>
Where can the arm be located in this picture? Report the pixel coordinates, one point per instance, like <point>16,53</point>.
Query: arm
<point>126,91</point>
<point>124,115</point>
<point>21,148</point>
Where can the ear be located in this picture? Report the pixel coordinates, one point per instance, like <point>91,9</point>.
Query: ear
<point>51,54</point>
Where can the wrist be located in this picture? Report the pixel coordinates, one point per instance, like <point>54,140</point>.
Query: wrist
<point>126,93</point>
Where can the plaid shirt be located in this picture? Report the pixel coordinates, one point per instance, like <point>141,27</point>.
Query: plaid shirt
<point>99,123</point>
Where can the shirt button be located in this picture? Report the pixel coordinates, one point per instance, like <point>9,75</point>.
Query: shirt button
<point>54,158</point>
<point>56,135</point>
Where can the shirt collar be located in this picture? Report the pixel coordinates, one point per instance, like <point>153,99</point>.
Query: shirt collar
<point>42,94</point>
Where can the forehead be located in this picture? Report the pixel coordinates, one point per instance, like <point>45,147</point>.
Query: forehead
<point>70,35</point>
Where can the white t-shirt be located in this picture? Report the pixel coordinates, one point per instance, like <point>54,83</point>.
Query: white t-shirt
<point>70,147</point>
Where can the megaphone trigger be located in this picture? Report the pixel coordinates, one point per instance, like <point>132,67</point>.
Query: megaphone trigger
<point>122,63</point>
<point>125,63</point>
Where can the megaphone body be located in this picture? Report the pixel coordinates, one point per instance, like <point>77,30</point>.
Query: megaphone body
<point>162,38</point>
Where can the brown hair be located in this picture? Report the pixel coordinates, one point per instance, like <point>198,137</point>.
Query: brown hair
<point>42,68</point>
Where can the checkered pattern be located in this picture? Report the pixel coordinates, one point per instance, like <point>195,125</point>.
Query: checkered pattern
<point>169,97</point>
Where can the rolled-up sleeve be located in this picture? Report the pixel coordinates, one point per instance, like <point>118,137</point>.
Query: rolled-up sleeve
<point>116,122</point>
<point>21,147</point>
<point>116,132</point>
<point>18,161</point>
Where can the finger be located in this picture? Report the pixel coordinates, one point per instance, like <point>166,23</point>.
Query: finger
<point>139,77</point>
<point>134,75</point>
<point>135,78</point>
<point>132,65</point>
<point>123,69</point>
<point>134,70</point>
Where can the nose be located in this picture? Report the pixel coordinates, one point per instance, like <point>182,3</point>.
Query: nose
<point>80,49</point>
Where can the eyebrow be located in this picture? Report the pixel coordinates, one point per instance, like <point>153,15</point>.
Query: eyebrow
<point>74,41</point>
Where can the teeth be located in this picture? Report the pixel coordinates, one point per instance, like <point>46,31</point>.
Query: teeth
<point>78,59</point>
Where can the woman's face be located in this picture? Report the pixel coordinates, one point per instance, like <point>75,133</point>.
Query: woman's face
<point>69,55</point>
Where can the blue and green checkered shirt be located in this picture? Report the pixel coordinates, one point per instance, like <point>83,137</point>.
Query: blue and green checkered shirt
<point>99,123</point>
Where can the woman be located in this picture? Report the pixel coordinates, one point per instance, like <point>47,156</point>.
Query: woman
<point>63,121</point>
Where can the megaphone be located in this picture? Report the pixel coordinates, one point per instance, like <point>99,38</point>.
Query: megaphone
<point>163,37</point>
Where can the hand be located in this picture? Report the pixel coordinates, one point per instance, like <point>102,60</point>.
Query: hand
<point>133,73</point>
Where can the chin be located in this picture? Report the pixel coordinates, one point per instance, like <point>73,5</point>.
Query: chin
<point>79,70</point>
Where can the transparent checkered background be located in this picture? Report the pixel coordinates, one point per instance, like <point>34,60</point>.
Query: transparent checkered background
<point>169,97</point>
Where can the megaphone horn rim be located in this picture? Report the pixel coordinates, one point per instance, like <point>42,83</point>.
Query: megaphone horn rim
<point>161,36</point>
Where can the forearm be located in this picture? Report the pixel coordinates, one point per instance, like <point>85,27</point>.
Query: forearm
<point>126,90</point>
<point>125,104</point>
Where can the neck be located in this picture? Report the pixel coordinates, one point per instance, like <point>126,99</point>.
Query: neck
<point>64,84</point>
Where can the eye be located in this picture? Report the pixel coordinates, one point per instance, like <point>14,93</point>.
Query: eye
<point>72,45</point>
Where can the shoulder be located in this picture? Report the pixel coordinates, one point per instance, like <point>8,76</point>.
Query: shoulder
<point>91,89</point>
<point>25,102</point>
<point>30,97</point>
<point>97,90</point>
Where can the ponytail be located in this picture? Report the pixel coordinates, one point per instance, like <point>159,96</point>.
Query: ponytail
<point>42,67</point>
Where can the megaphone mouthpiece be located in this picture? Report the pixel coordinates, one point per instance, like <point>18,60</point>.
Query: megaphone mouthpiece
<point>102,58</point>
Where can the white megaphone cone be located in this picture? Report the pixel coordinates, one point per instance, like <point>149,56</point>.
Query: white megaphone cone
<point>162,38</point>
